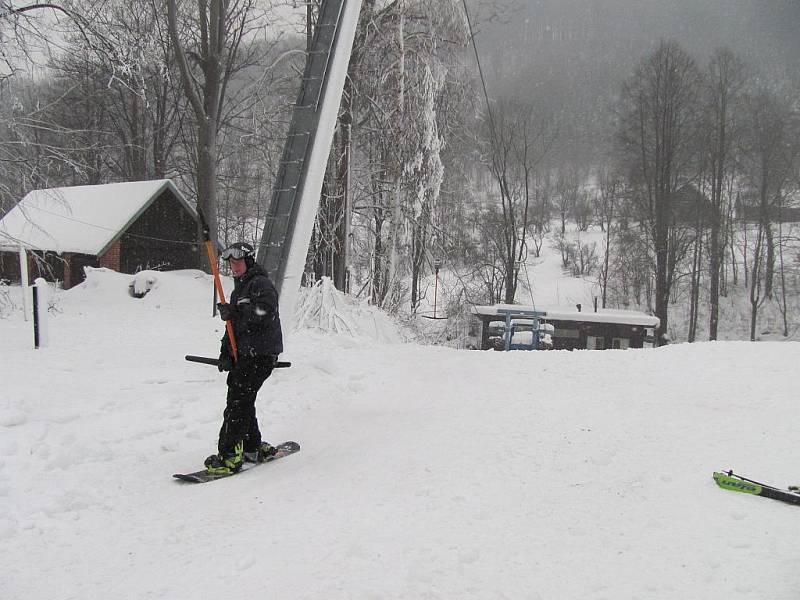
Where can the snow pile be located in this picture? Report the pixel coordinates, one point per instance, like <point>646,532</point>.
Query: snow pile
<point>188,290</point>
<point>324,308</point>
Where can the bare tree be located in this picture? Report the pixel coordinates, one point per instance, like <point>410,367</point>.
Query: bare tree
<point>31,148</point>
<point>485,257</point>
<point>541,208</point>
<point>695,275</point>
<point>607,199</point>
<point>769,151</point>
<point>724,79</point>
<point>757,280</point>
<point>208,45</point>
<point>569,187</point>
<point>518,137</point>
<point>783,298</point>
<point>657,136</point>
<point>144,90</point>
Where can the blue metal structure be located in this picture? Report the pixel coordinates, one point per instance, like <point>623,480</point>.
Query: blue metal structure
<point>508,335</point>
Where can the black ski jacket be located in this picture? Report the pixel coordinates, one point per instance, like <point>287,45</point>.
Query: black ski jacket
<point>256,323</point>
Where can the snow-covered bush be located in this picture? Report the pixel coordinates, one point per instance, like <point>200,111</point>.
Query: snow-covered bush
<point>324,308</point>
<point>583,258</point>
<point>7,305</point>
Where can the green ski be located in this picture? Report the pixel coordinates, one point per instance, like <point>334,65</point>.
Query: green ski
<point>728,480</point>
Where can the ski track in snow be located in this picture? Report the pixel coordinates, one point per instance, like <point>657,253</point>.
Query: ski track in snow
<point>425,472</point>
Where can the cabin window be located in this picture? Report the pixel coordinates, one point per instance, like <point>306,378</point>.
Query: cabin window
<point>595,342</point>
<point>621,344</point>
<point>567,333</point>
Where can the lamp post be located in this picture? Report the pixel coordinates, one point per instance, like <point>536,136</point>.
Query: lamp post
<point>437,264</point>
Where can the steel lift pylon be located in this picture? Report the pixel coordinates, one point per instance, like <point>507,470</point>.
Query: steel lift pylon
<point>298,185</point>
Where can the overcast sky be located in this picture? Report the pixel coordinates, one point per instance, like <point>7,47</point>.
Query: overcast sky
<point>764,32</point>
<point>572,56</point>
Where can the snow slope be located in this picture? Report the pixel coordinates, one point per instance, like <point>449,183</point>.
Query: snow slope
<point>426,472</point>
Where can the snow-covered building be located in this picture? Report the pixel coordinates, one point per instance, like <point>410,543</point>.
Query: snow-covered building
<point>126,227</point>
<point>567,329</point>
<point>747,206</point>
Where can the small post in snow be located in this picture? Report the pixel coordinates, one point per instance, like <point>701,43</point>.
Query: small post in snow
<point>41,298</point>
<point>35,318</point>
<point>214,302</point>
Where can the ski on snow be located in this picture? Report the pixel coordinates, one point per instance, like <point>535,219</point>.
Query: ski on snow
<point>284,449</point>
<point>728,480</point>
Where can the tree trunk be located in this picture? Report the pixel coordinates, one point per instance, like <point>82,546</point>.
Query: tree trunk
<point>714,275</point>
<point>207,175</point>
<point>784,305</point>
<point>418,250</point>
<point>726,75</point>
<point>694,302</point>
<point>755,283</point>
<point>343,189</point>
<point>378,284</point>
<point>769,262</point>
<point>206,107</point>
<point>606,265</point>
<point>662,264</point>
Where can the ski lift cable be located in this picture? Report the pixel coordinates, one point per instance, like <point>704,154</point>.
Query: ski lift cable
<point>480,70</point>
<point>530,287</point>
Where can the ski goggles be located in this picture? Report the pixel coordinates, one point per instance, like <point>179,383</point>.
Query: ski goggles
<point>237,253</point>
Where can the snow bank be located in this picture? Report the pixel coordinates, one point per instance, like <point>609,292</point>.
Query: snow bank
<point>321,308</point>
<point>189,290</point>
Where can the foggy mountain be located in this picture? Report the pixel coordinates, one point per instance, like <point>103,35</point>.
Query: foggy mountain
<point>574,54</point>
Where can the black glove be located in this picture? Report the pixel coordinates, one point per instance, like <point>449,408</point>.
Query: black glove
<point>225,362</point>
<point>227,312</point>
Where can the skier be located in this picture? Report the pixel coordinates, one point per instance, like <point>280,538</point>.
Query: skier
<point>253,312</point>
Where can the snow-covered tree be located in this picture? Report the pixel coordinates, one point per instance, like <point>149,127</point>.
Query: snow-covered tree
<point>404,72</point>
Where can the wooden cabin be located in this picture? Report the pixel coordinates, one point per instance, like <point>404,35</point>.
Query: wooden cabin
<point>564,329</point>
<point>127,227</point>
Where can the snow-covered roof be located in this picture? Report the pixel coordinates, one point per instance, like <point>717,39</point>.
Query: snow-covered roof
<point>87,219</point>
<point>620,317</point>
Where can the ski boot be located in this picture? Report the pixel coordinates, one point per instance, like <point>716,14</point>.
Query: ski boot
<point>228,464</point>
<point>261,454</point>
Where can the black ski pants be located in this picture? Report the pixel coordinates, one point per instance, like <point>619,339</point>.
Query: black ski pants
<point>239,420</point>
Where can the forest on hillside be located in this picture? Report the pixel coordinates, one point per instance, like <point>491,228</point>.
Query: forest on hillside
<point>672,127</point>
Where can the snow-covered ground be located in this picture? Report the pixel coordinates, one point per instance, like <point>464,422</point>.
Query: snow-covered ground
<point>426,472</point>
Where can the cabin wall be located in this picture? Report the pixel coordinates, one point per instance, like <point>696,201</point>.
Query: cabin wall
<point>163,237</point>
<point>576,335</point>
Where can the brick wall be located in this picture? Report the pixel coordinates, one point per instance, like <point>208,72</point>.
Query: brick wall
<point>110,259</point>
